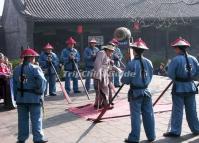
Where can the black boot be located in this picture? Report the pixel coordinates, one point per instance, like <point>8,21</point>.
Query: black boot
<point>127,141</point>
<point>77,91</point>
<point>170,134</point>
<point>20,141</point>
<point>151,140</point>
<point>42,141</point>
<point>195,133</point>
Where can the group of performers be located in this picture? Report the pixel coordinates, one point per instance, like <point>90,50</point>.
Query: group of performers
<point>30,80</point>
<point>71,56</point>
<point>30,84</point>
<point>183,70</point>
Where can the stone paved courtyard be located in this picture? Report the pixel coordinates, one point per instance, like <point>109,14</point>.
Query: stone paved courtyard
<point>61,126</point>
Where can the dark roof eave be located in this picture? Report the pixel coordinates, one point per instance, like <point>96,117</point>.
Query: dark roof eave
<point>161,18</point>
<point>22,7</point>
<point>83,20</point>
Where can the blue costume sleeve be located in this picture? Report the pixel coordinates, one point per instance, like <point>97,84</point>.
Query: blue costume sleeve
<point>77,57</point>
<point>55,60</point>
<point>40,80</point>
<point>64,56</point>
<point>172,69</point>
<point>126,79</point>
<point>42,60</point>
<point>120,54</point>
<point>196,65</point>
<point>117,54</point>
<point>87,55</point>
<point>15,83</point>
<point>150,70</point>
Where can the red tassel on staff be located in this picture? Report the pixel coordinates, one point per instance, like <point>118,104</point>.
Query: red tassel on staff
<point>65,93</point>
<point>61,86</point>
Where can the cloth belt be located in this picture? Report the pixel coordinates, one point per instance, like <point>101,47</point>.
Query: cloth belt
<point>131,97</point>
<point>29,91</point>
<point>137,87</point>
<point>179,79</point>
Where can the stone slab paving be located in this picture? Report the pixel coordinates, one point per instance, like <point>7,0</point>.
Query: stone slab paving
<point>61,126</point>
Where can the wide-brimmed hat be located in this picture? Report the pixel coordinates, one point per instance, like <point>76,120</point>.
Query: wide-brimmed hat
<point>109,47</point>
<point>29,53</point>
<point>139,44</point>
<point>70,41</point>
<point>114,42</point>
<point>93,41</point>
<point>180,42</point>
<point>48,46</point>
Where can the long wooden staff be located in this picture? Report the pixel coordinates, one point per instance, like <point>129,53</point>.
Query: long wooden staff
<point>81,79</point>
<point>97,120</point>
<point>61,86</point>
<point>162,93</point>
<point>107,106</point>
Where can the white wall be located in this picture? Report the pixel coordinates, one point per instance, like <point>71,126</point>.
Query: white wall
<point>1,6</point>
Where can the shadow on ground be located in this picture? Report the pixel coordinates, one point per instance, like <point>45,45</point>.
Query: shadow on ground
<point>5,109</point>
<point>85,133</point>
<point>177,140</point>
<point>195,141</point>
<point>59,119</point>
<point>54,98</point>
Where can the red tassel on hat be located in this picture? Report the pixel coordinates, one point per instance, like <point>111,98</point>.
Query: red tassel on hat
<point>70,41</point>
<point>180,42</point>
<point>48,46</point>
<point>29,53</point>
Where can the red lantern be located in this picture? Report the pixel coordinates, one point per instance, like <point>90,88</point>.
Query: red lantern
<point>79,29</point>
<point>136,26</point>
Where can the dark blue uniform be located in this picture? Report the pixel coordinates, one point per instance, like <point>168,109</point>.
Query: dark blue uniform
<point>183,93</point>
<point>29,100</point>
<point>117,57</point>
<point>89,58</point>
<point>69,67</point>
<point>49,71</point>
<point>140,98</point>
